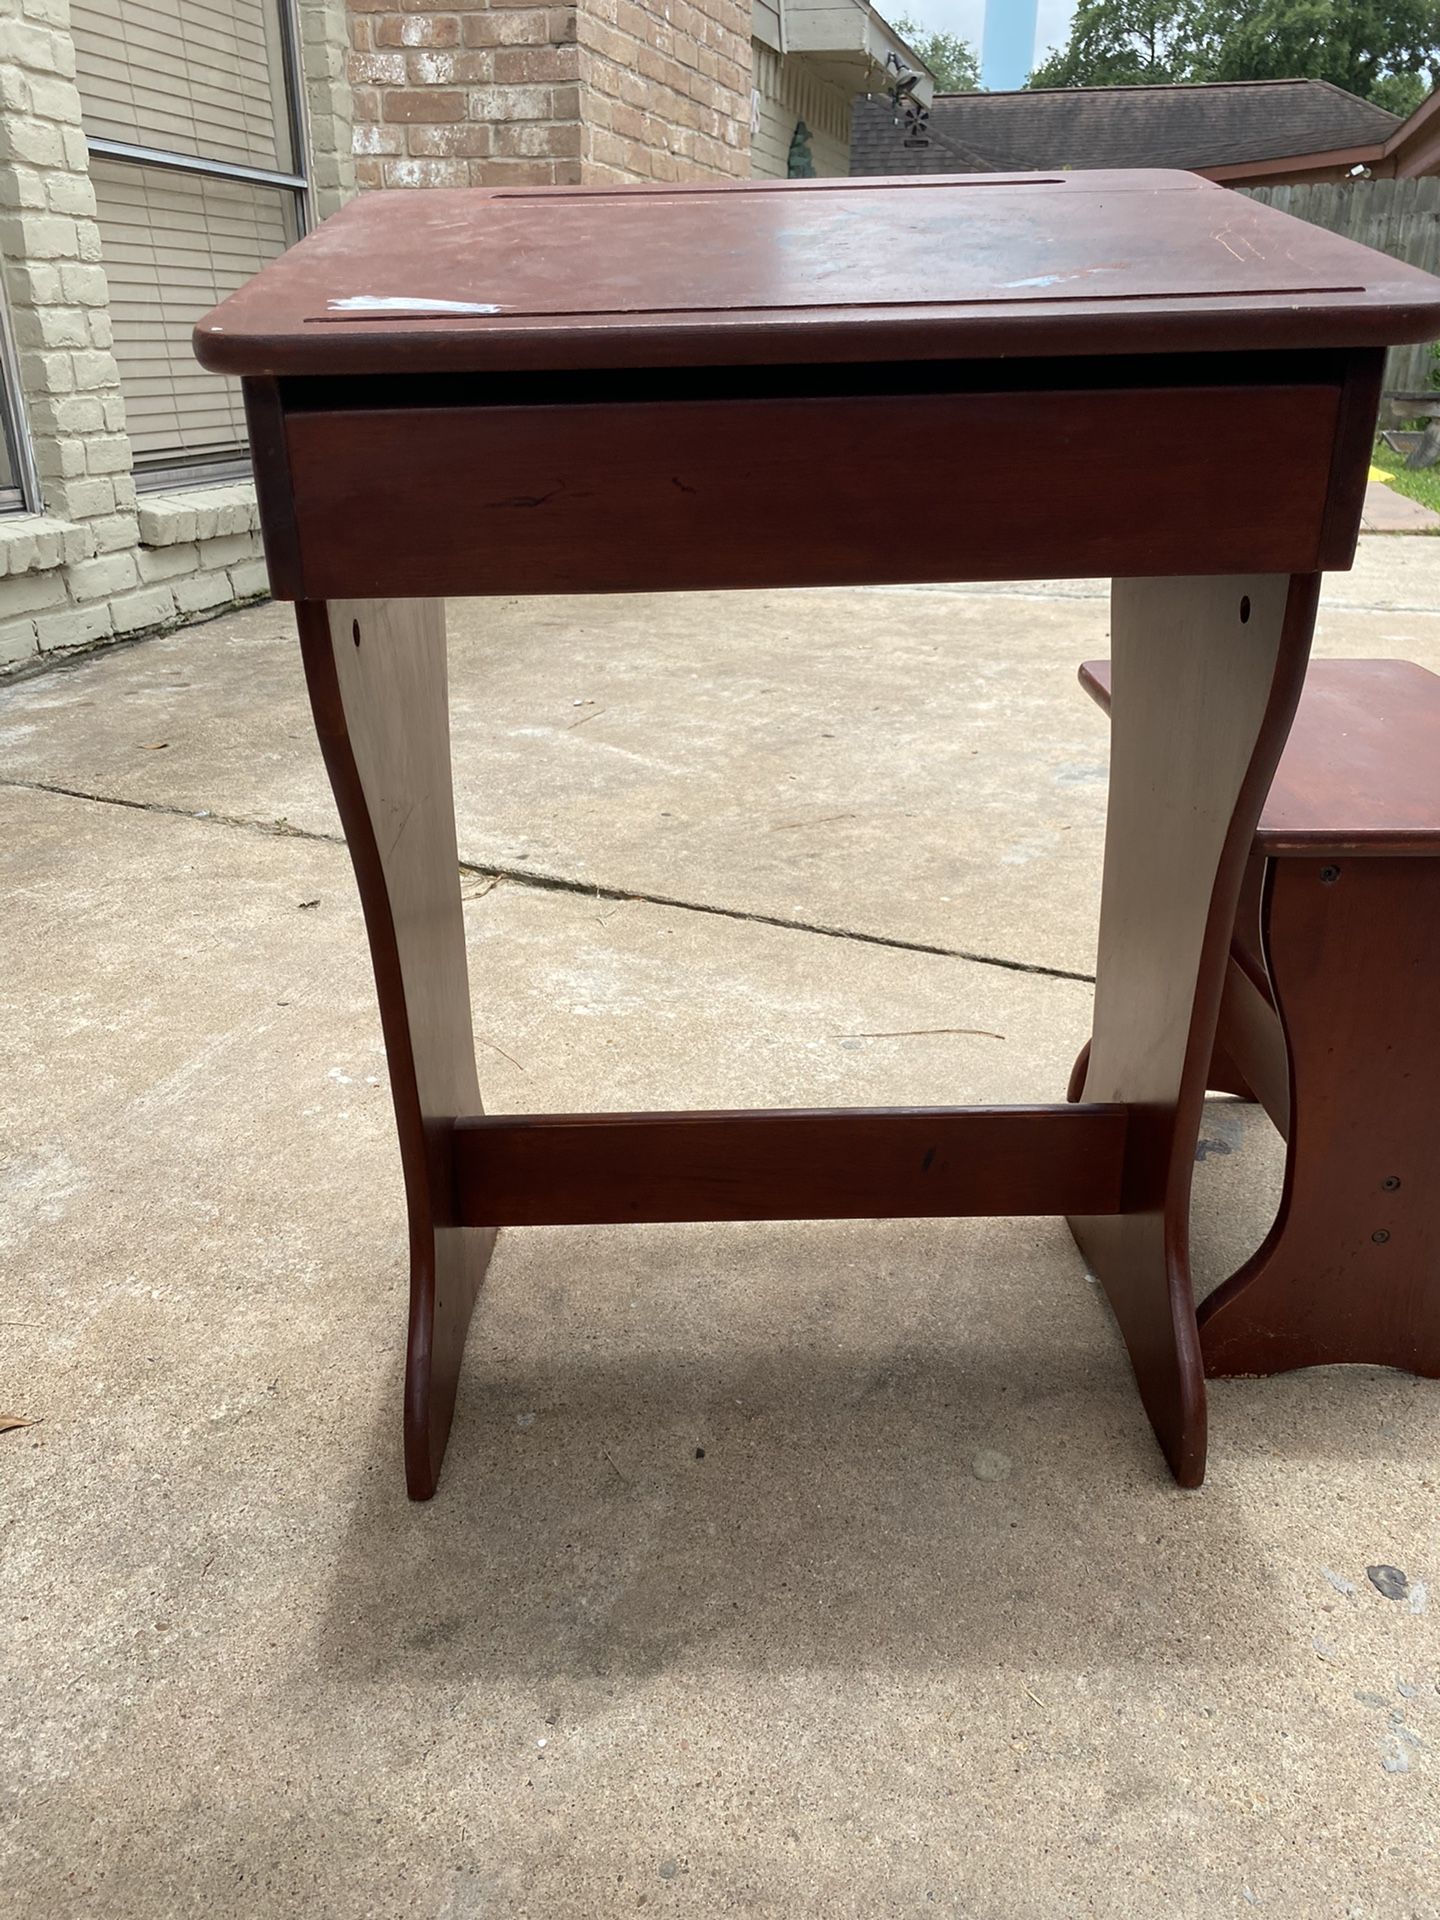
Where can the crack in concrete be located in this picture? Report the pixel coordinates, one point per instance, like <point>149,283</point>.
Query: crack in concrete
<point>563,883</point>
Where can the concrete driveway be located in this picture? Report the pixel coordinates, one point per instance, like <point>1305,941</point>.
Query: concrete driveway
<point>825,1569</point>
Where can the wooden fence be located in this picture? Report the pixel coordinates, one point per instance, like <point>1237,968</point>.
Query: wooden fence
<point>1397,216</point>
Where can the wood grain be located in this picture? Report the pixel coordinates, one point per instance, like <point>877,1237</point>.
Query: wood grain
<point>845,490</point>
<point>971,267</point>
<point>376,671</point>
<point>1358,774</point>
<point>1205,678</point>
<point>836,1164</point>
<point>1350,1270</point>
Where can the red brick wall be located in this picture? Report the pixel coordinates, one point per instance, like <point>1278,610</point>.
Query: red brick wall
<point>665,88</point>
<point>465,93</point>
<point>490,92</point>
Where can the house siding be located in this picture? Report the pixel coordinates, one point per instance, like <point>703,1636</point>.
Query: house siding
<point>786,91</point>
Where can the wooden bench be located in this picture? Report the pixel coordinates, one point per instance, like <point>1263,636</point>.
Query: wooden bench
<point>1331,1020</point>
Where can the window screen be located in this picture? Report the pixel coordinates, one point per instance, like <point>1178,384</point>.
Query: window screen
<point>175,244</point>
<point>176,93</point>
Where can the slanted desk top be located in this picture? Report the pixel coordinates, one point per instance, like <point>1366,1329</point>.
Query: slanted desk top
<point>968,267</point>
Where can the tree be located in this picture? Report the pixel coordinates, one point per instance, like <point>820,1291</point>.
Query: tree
<point>1387,51</point>
<point>1384,50</point>
<point>953,61</point>
<point>1122,43</point>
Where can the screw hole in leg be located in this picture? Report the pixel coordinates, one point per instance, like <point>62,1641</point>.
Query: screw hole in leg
<point>355,631</point>
<point>1245,610</point>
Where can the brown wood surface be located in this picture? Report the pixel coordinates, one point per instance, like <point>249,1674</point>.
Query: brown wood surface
<point>1360,773</point>
<point>377,677</point>
<point>1249,1057</point>
<point>973,266</point>
<point>777,492</point>
<point>837,1164</point>
<point>1350,1271</point>
<point>1206,674</point>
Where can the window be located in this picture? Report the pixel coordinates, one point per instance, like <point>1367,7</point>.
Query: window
<point>192,114</point>
<point>19,487</point>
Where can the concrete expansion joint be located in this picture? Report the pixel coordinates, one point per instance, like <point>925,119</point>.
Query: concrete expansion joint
<point>563,883</point>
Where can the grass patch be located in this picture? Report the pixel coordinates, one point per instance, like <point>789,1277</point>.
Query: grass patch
<point>1423,485</point>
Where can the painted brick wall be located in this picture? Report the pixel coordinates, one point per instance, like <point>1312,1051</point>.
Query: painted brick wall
<point>511,92</point>
<point>95,563</point>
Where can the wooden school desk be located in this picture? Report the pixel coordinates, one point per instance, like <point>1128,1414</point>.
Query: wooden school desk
<point>811,384</point>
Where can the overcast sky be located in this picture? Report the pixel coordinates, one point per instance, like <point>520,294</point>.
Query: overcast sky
<point>967,17</point>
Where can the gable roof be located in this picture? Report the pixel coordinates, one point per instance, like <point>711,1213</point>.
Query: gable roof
<point>1220,124</point>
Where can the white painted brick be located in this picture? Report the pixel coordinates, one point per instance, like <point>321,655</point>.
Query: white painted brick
<point>70,193</point>
<point>36,142</point>
<point>50,236</point>
<point>84,285</point>
<point>164,524</point>
<point>34,286</point>
<point>77,545</point>
<point>54,98</point>
<point>36,48</point>
<point>201,590</point>
<point>23,190</point>
<point>116,535</point>
<point>30,593</point>
<point>106,574</point>
<point>17,555</point>
<point>167,563</point>
<point>78,413</point>
<point>150,607</point>
<point>17,642</point>
<point>58,327</point>
<point>227,551</point>
<point>60,459</point>
<point>93,369</point>
<point>249,578</point>
<point>89,498</point>
<point>75,627</point>
<point>107,453</point>
<point>46,374</point>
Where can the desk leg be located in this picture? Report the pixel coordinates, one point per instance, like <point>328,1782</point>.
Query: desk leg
<point>376,673</point>
<point>1207,673</point>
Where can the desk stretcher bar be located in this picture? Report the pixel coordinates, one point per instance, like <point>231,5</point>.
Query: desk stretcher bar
<point>862,1163</point>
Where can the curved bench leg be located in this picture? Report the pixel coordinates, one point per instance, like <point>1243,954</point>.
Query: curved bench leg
<point>377,680</point>
<point>1207,674</point>
<point>1350,1270</point>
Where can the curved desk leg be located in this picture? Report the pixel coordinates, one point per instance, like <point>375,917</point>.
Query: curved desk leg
<point>376,674</point>
<point>1350,1270</point>
<point>1207,674</point>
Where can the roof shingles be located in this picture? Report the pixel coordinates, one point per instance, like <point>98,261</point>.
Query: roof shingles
<point>1222,124</point>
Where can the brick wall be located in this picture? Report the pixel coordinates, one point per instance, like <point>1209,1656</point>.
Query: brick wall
<point>94,563</point>
<point>466,93</point>
<point>665,89</point>
<point>497,92</point>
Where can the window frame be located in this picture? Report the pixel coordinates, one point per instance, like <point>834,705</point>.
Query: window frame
<point>158,475</point>
<point>23,494</point>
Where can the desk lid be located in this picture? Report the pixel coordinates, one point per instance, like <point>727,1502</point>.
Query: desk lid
<point>970,266</point>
